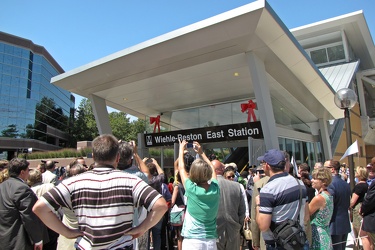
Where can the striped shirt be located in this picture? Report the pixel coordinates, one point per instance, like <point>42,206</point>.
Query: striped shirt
<point>280,198</point>
<point>103,200</point>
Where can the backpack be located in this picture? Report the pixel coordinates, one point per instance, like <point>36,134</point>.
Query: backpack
<point>290,235</point>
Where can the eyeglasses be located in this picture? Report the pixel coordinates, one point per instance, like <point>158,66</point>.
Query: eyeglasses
<point>230,176</point>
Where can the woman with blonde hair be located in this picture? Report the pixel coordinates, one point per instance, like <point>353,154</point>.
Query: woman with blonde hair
<point>4,175</point>
<point>203,196</point>
<point>321,208</point>
<point>358,194</point>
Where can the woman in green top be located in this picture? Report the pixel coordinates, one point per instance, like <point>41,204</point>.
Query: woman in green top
<point>203,196</point>
<point>321,208</point>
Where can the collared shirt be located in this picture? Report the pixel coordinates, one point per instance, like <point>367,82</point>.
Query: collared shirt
<point>369,181</point>
<point>49,177</point>
<point>280,198</point>
<point>103,199</point>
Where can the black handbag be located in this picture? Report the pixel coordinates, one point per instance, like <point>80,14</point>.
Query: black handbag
<point>290,234</point>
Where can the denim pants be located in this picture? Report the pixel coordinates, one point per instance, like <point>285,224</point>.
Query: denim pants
<point>276,247</point>
<point>156,235</point>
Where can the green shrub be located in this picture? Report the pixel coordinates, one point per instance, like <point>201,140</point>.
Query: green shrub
<point>63,153</point>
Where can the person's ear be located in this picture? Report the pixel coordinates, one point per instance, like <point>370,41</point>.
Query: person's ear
<point>266,166</point>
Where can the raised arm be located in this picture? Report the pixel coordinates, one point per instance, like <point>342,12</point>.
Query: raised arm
<point>198,149</point>
<point>158,168</point>
<point>181,163</point>
<point>174,195</point>
<point>141,164</point>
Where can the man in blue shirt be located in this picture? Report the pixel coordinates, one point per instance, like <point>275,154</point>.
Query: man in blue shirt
<point>371,173</point>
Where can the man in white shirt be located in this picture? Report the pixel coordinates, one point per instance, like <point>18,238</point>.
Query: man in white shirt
<point>49,176</point>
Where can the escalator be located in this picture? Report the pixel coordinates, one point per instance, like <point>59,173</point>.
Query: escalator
<point>237,151</point>
<point>240,156</point>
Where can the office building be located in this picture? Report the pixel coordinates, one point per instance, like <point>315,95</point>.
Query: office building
<point>33,112</point>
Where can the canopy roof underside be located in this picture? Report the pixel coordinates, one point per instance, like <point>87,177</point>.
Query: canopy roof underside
<point>196,65</point>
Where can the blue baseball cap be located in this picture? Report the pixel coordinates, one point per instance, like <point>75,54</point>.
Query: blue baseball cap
<point>273,157</point>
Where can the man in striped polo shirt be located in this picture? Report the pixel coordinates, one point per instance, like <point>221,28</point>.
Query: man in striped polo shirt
<point>103,199</point>
<point>279,198</point>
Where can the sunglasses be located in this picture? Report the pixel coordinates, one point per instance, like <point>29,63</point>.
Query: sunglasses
<point>230,176</point>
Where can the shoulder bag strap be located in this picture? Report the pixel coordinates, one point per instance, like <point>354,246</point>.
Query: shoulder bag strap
<point>300,199</point>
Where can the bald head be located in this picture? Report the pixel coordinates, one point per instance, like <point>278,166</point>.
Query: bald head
<point>50,165</point>
<point>318,165</point>
<point>218,166</point>
<point>327,163</point>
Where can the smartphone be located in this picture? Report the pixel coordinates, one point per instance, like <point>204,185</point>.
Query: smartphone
<point>189,145</point>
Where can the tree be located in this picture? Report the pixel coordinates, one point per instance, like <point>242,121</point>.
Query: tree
<point>11,131</point>
<point>138,126</point>
<point>120,124</point>
<point>84,128</point>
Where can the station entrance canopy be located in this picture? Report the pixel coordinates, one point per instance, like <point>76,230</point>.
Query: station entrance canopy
<point>213,61</point>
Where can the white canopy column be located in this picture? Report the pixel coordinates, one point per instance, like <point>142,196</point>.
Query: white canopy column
<point>326,142</point>
<point>99,109</point>
<point>263,99</point>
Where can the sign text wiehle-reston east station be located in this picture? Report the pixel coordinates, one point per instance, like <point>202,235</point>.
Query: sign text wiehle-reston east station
<point>231,132</point>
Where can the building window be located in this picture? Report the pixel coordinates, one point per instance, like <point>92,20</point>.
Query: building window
<point>319,56</point>
<point>328,54</point>
<point>336,53</point>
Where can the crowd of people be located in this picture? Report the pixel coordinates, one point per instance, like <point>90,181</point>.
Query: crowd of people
<point>332,210</point>
<point>123,202</point>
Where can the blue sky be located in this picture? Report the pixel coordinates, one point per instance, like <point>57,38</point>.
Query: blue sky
<point>80,31</point>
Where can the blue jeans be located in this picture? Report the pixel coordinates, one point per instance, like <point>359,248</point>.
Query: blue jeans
<point>276,247</point>
<point>156,235</point>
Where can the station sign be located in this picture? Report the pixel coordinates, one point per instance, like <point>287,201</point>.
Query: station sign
<point>232,132</point>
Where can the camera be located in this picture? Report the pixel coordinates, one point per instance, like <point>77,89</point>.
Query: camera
<point>189,145</point>
<point>260,172</point>
<point>149,160</point>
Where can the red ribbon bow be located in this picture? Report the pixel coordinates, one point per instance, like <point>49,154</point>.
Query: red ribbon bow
<point>155,120</point>
<point>249,107</point>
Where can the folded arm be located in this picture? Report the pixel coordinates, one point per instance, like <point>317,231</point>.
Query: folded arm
<point>157,212</point>
<point>49,218</point>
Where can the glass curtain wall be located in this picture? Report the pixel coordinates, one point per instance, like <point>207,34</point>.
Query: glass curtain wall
<point>230,113</point>
<point>302,152</point>
<point>30,106</point>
